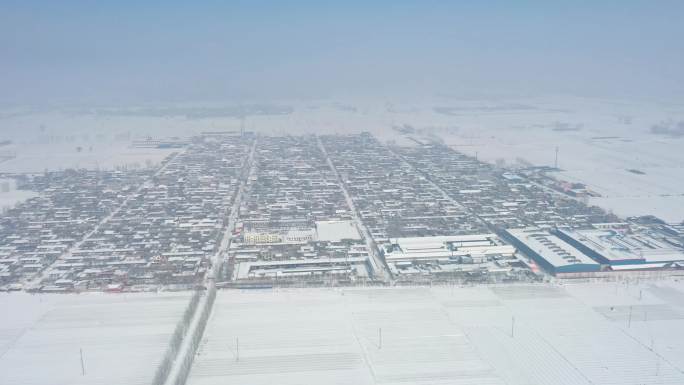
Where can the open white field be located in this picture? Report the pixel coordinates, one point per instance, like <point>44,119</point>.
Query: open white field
<point>11,196</point>
<point>572,334</point>
<point>123,337</point>
<point>40,157</point>
<point>56,141</point>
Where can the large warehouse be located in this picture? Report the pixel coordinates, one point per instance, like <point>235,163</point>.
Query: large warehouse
<point>618,248</point>
<point>551,252</point>
<point>443,248</point>
<point>448,254</point>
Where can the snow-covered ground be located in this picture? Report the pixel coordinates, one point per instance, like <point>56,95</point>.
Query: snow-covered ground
<point>546,334</point>
<point>40,157</point>
<point>123,337</point>
<point>12,196</point>
<point>56,141</point>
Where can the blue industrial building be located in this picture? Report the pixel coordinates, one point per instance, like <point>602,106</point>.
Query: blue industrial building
<point>550,252</point>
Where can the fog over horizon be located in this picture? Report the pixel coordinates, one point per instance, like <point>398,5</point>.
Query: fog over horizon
<point>125,53</point>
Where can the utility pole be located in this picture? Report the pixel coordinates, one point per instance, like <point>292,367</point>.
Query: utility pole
<point>555,163</point>
<point>82,363</point>
<point>629,320</point>
<point>653,349</point>
<point>512,326</point>
<point>380,338</point>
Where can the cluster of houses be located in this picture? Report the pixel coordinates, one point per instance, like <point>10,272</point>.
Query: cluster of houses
<point>69,204</point>
<point>393,199</point>
<point>158,227</point>
<point>314,209</point>
<point>500,197</point>
<point>415,222</point>
<point>295,223</point>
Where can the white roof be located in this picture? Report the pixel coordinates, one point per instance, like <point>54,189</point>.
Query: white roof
<point>431,248</point>
<point>335,231</point>
<point>243,268</point>
<point>638,266</point>
<point>553,249</point>
<point>615,246</point>
<point>427,242</point>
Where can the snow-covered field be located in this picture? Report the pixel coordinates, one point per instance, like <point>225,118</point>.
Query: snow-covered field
<point>37,158</point>
<point>123,337</point>
<point>12,196</point>
<point>56,141</point>
<point>573,334</point>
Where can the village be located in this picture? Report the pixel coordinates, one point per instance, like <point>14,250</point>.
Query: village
<point>316,211</point>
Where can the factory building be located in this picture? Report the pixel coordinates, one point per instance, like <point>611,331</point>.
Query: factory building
<point>321,231</point>
<point>458,254</point>
<point>616,247</point>
<point>303,268</point>
<point>476,248</point>
<point>551,252</point>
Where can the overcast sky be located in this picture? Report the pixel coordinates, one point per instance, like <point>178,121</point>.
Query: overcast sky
<point>127,52</point>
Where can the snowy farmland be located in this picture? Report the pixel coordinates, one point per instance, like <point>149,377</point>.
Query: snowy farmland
<point>572,334</point>
<point>11,196</point>
<point>123,337</point>
<point>57,141</point>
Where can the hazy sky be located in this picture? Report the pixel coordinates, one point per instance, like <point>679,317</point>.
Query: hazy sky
<point>130,52</point>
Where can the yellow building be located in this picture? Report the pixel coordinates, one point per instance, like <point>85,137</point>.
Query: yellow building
<point>260,238</point>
